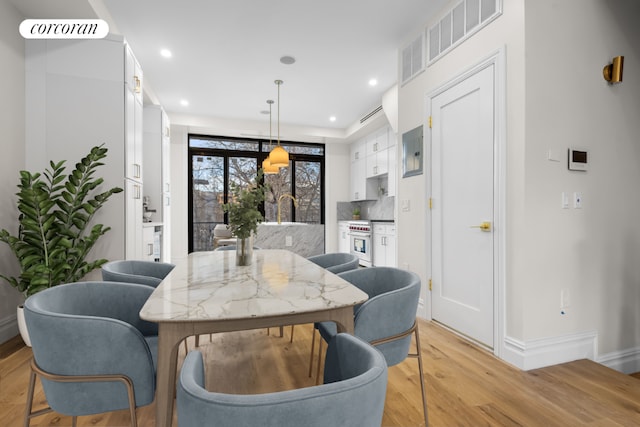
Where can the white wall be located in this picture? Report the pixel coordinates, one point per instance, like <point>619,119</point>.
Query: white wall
<point>412,226</point>
<point>555,99</point>
<point>592,252</point>
<point>337,174</point>
<point>12,160</point>
<point>179,191</point>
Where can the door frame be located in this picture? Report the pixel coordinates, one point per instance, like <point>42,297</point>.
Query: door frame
<point>497,59</point>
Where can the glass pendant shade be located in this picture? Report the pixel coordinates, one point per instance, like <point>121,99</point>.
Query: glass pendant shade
<point>268,168</point>
<point>279,157</point>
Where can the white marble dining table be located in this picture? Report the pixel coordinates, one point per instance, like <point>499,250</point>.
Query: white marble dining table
<point>208,293</point>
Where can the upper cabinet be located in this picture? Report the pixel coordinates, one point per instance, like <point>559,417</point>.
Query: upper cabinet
<point>377,152</point>
<point>361,188</point>
<point>372,164</point>
<point>84,93</point>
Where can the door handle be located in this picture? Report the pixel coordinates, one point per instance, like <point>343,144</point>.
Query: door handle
<point>484,226</point>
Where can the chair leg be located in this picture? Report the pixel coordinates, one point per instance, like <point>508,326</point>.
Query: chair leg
<point>421,371</point>
<point>291,339</point>
<point>319,361</point>
<point>28,414</point>
<point>74,421</point>
<point>313,345</point>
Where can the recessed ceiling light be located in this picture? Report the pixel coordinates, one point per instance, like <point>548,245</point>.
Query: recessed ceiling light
<point>332,118</point>
<point>166,53</point>
<point>288,60</point>
<point>373,82</point>
<point>184,102</point>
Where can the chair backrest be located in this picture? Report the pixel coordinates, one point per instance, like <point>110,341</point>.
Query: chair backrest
<point>92,328</point>
<point>389,311</point>
<point>336,262</point>
<point>136,271</point>
<point>353,394</point>
<point>232,248</point>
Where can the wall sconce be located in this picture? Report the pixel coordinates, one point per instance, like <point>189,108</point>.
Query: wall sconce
<point>613,72</point>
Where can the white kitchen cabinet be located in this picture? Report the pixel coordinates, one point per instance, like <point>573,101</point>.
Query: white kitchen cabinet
<point>384,245</point>
<point>157,174</point>
<point>378,163</point>
<point>358,150</point>
<point>77,97</point>
<point>148,245</point>
<point>361,188</point>
<point>344,244</point>
<point>152,241</point>
<point>377,153</point>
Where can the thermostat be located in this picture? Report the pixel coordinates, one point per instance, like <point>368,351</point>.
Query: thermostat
<point>578,159</point>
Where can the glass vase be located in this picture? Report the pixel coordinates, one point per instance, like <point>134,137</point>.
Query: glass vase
<point>244,251</point>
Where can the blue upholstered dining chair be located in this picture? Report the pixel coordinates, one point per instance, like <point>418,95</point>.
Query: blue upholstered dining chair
<point>136,271</point>
<point>142,272</point>
<point>387,319</point>
<point>336,262</point>
<point>353,394</point>
<point>232,248</point>
<point>91,350</point>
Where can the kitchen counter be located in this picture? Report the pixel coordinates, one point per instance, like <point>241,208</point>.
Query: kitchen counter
<point>298,237</point>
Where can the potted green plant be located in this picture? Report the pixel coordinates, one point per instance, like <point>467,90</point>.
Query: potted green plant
<point>356,213</point>
<point>244,215</point>
<point>55,213</point>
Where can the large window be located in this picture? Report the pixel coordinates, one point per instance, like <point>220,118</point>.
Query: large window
<point>216,162</point>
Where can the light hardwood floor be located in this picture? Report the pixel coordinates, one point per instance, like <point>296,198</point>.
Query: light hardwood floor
<point>466,385</point>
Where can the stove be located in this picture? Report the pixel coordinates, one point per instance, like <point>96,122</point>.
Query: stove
<point>360,241</point>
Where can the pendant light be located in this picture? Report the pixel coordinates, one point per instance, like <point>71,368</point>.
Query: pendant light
<point>279,156</point>
<point>267,167</point>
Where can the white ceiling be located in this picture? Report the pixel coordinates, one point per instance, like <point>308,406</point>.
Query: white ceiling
<point>226,52</point>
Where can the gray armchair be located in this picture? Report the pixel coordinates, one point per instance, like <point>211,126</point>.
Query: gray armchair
<point>91,349</point>
<point>387,319</point>
<point>336,262</point>
<point>353,394</point>
<point>136,271</point>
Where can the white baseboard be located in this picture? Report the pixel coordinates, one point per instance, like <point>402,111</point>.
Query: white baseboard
<point>539,353</point>
<point>8,328</point>
<point>625,361</point>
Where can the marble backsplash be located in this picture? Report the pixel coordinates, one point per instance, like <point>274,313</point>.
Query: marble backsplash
<point>381,209</point>
<point>304,239</point>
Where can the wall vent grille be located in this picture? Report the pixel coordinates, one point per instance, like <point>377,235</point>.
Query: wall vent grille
<point>372,113</point>
<point>458,24</point>
<point>412,59</point>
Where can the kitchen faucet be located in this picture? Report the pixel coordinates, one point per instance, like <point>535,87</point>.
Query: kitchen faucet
<point>295,203</point>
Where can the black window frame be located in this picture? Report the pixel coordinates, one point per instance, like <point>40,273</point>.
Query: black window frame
<point>259,155</point>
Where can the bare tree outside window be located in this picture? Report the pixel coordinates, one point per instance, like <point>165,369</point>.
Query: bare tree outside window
<point>308,192</point>
<point>217,162</point>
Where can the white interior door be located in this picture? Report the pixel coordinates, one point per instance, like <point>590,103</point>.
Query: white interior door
<point>462,215</point>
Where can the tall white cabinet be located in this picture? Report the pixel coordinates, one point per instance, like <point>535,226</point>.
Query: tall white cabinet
<point>83,93</point>
<point>157,179</point>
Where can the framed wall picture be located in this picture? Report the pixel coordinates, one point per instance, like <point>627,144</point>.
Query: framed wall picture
<point>412,152</point>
